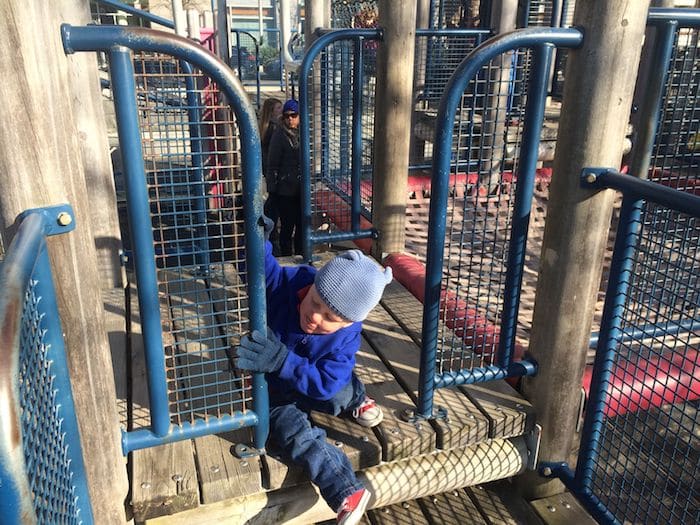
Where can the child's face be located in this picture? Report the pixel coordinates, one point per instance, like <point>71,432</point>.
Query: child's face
<point>316,318</point>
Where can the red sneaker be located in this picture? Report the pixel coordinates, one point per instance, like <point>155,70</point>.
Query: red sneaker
<point>368,414</point>
<point>353,508</point>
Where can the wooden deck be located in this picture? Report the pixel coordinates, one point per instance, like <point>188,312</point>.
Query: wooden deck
<point>201,480</point>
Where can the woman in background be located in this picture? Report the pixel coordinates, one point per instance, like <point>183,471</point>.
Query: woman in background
<point>267,124</point>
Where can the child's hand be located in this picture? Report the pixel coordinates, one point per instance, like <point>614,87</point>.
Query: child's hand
<point>260,353</point>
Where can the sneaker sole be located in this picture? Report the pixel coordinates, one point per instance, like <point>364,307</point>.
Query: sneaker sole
<point>371,423</point>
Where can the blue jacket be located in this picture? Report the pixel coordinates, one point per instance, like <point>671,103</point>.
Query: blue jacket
<point>317,366</point>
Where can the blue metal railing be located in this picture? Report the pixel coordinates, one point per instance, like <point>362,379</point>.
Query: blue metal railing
<point>501,364</point>
<point>644,391</point>
<point>347,190</point>
<point>41,466</point>
<point>178,419</point>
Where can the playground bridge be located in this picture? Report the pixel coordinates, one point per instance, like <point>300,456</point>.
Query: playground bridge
<point>192,425</point>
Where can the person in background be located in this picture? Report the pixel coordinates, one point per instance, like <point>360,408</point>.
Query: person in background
<point>268,122</point>
<point>284,173</point>
<point>314,320</point>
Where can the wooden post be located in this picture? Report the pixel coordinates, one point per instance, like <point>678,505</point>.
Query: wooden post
<point>318,15</point>
<point>595,110</point>
<point>392,135</point>
<point>42,163</point>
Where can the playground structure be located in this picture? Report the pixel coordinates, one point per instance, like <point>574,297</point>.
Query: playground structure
<point>200,154</point>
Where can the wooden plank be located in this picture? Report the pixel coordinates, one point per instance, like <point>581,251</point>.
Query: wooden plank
<point>163,478</point>
<point>500,505</point>
<point>452,508</point>
<point>406,513</point>
<point>221,474</point>
<point>509,414</point>
<point>562,509</point>
<point>465,423</point>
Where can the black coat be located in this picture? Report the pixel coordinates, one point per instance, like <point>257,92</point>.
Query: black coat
<point>283,175</point>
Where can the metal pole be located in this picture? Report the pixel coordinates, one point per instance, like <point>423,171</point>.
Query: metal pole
<point>596,106</point>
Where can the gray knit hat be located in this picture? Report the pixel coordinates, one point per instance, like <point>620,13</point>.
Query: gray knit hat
<point>351,284</point>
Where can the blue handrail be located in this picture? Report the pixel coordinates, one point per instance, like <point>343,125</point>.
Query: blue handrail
<point>115,39</point>
<point>543,42</point>
<point>41,466</point>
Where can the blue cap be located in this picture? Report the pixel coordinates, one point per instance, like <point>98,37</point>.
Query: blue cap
<point>291,105</point>
<point>351,284</point>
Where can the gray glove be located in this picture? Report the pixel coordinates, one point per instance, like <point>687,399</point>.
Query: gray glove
<point>260,353</point>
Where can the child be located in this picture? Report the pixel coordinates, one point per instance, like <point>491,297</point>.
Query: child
<point>314,323</point>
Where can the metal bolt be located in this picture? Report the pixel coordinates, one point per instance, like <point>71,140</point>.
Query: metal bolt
<point>551,508</point>
<point>434,500</point>
<point>419,426</point>
<point>385,510</point>
<point>566,504</point>
<point>145,485</point>
<point>365,438</point>
<point>547,471</point>
<point>244,463</point>
<point>214,468</point>
<point>64,218</point>
<point>177,478</point>
<point>394,430</point>
<point>339,444</point>
<point>591,178</point>
<point>405,505</point>
<point>471,416</point>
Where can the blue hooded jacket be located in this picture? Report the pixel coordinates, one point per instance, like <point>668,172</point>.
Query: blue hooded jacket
<point>317,366</point>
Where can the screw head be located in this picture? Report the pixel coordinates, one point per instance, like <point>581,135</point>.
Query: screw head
<point>177,478</point>
<point>591,178</point>
<point>547,471</point>
<point>214,468</point>
<point>64,218</point>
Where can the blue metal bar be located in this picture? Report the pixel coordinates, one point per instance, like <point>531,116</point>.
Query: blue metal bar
<point>650,191</point>
<point>525,188</point>
<point>145,15</point>
<point>92,38</point>
<point>453,32</point>
<point>613,311</point>
<point>592,503</point>
<point>196,176</point>
<point>319,238</point>
<point>555,21</point>
<point>145,438</point>
<point>653,98</point>
<point>357,81</point>
<point>442,155</point>
<point>652,331</point>
<point>345,130</point>
<point>124,92</point>
<point>487,373</point>
<point>664,15</point>
<point>319,45</point>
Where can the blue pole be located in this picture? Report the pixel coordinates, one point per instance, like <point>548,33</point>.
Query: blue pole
<point>123,89</point>
<point>534,116</point>
<point>357,77</point>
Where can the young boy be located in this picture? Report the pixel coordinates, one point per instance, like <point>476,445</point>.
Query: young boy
<point>314,323</point>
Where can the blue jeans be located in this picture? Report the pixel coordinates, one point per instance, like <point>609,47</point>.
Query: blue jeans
<point>306,445</point>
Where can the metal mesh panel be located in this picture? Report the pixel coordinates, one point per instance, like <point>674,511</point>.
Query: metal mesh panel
<point>488,133</point>
<point>437,57</point>
<point>357,13</point>
<point>332,107</point>
<point>676,154</point>
<point>46,456</point>
<point>647,468</point>
<point>191,156</point>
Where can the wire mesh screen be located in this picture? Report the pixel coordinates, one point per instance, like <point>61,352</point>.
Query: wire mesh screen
<point>647,467</point>
<point>48,465</point>
<point>354,14</point>
<point>676,154</point>
<point>332,80</point>
<point>191,156</point>
<point>437,57</point>
<point>485,156</point>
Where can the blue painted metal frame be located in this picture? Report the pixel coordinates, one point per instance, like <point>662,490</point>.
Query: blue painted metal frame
<point>117,41</point>
<point>543,42</point>
<point>27,265</point>
<point>635,192</point>
<point>309,237</point>
<point>238,34</point>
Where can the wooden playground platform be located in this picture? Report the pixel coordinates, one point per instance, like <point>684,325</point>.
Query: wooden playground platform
<point>202,481</point>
